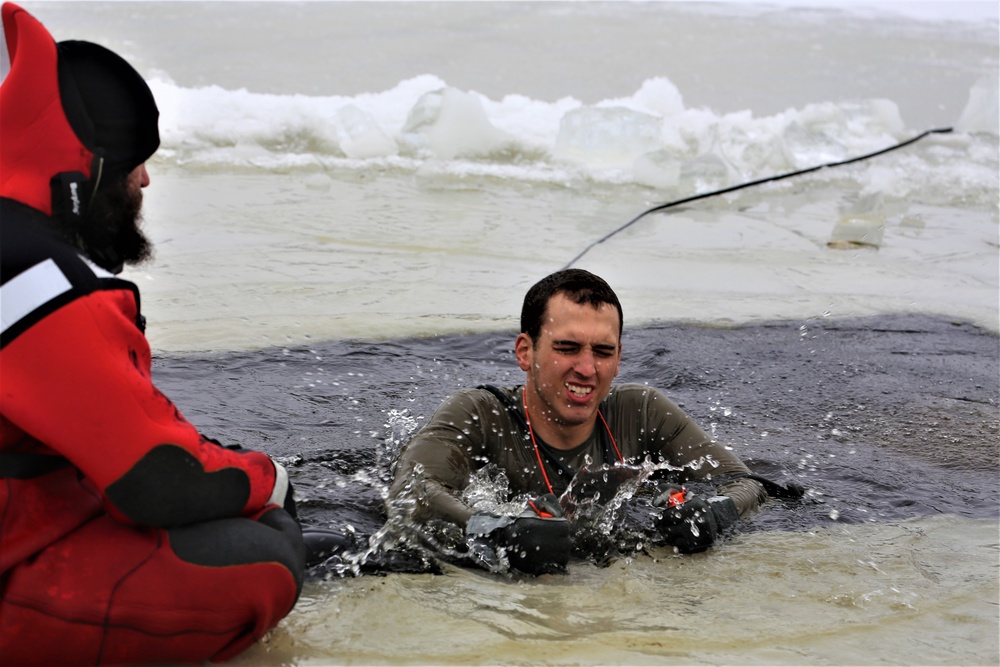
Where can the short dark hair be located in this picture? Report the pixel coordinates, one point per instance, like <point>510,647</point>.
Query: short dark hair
<point>578,285</point>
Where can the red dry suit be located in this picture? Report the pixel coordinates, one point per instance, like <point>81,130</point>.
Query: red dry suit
<point>126,536</point>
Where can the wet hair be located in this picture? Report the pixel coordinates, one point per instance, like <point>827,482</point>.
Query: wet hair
<point>578,285</point>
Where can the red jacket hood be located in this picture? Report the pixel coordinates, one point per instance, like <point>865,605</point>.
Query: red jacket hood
<point>37,139</point>
<point>73,116</point>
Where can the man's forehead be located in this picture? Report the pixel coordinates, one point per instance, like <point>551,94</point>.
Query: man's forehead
<point>568,320</point>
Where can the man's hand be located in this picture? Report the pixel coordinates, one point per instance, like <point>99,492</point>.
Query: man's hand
<point>693,523</point>
<point>537,541</point>
<point>322,543</point>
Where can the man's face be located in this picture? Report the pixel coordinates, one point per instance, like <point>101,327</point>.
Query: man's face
<point>571,366</point>
<point>111,229</point>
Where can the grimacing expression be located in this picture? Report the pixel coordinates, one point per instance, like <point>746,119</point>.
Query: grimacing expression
<point>570,366</point>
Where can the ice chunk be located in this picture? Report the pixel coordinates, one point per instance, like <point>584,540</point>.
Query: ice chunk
<point>606,137</point>
<point>805,148</point>
<point>667,171</point>
<point>657,169</point>
<point>862,224</point>
<point>982,111</point>
<point>704,173</point>
<point>361,136</point>
<point>449,123</point>
<point>658,96</point>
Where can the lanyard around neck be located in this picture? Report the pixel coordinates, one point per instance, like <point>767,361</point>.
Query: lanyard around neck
<point>538,451</point>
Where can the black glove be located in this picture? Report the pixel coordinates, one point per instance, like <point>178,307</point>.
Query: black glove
<point>693,523</point>
<point>537,541</point>
<point>322,543</point>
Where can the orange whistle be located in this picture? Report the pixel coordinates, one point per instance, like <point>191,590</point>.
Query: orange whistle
<point>676,498</point>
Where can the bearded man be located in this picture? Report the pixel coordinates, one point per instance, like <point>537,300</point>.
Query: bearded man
<point>126,536</point>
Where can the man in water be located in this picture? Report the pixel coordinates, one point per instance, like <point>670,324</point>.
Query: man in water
<point>126,536</point>
<point>564,416</point>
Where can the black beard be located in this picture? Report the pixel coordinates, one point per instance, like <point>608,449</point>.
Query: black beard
<point>110,231</point>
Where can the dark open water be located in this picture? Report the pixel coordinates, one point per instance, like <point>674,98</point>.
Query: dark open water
<point>881,419</point>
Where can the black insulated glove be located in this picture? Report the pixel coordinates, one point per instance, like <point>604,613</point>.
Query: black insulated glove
<point>537,541</point>
<point>693,523</point>
<point>322,543</point>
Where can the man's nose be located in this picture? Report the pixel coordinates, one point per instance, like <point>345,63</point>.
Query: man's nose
<point>586,364</point>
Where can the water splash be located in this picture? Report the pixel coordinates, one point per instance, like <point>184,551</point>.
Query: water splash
<point>400,426</point>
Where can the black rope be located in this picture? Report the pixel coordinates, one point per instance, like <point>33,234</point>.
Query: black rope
<point>733,188</point>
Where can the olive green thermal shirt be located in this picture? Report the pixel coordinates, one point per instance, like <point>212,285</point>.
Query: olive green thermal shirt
<point>473,428</point>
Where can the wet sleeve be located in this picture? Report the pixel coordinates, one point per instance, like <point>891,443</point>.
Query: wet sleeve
<point>434,467</point>
<point>79,381</point>
<point>680,442</point>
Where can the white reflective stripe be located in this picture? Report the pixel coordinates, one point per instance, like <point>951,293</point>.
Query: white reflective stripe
<point>280,485</point>
<point>31,290</point>
<point>98,271</point>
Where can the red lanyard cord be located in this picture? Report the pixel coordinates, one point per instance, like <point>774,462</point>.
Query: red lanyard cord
<point>531,432</point>
<point>613,443</point>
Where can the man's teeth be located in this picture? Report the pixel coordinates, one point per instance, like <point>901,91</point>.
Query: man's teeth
<point>577,390</point>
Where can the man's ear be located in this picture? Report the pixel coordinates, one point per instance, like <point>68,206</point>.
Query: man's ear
<point>523,348</point>
<point>618,364</point>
